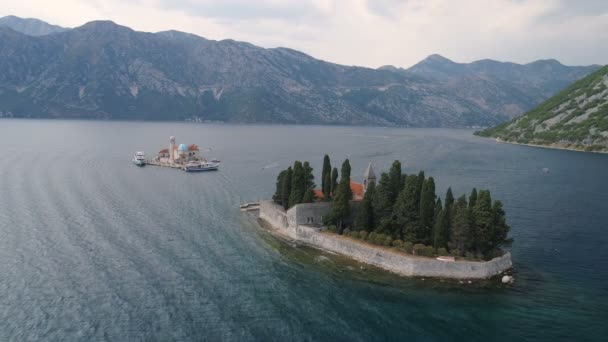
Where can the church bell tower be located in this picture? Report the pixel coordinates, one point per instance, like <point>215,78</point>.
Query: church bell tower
<point>368,177</point>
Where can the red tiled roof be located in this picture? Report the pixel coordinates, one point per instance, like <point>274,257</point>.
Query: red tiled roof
<point>319,194</point>
<point>164,150</point>
<point>356,188</point>
<point>193,147</point>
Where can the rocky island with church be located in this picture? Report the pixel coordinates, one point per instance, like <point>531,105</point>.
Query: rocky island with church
<point>395,222</point>
<point>186,157</point>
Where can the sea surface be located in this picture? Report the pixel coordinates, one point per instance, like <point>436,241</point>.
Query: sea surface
<point>93,248</point>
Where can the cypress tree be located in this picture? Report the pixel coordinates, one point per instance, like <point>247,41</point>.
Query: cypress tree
<point>345,174</point>
<point>500,228</point>
<point>327,195</point>
<point>279,187</point>
<point>484,219</point>
<point>427,211</point>
<point>438,207</point>
<point>365,215</point>
<point>449,199</point>
<point>340,208</point>
<point>441,233</point>
<point>286,188</point>
<point>326,177</point>
<point>395,180</point>
<point>383,206</point>
<point>407,209</point>
<point>421,180</point>
<point>334,181</point>
<point>298,184</point>
<point>309,177</point>
<point>460,234</point>
<point>473,198</point>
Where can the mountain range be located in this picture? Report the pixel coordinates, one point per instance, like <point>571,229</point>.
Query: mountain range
<point>102,70</point>
<point>576,118</point>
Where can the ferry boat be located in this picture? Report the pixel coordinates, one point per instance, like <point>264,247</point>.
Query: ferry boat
<point>200,166</point>
<point>139,159</point>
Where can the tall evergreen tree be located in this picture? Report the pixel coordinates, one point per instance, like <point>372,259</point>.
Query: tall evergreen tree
<point>407,209</point>
<point>286,188</point>
<point>365,215</point>
<point>309,177</point>
<point>383,206</point>
<point>427,211</point>
<point>326,177</point>
<point>441,233</point>
<point>449,199</point>
<point>340,208</point>
<point>345,174</point>
<point>334,181</point>
<point>395,180</point>
<point>327,195</point>
<point>438,207</point>
<point>421,179</point>
<point>279,187</point>
<point>473,198</point>
<point>461,229</point>
<point>484,219</point>
<point>298,184</point>
<point>500,228</point>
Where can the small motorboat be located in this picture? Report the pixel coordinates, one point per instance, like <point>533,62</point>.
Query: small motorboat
<point>139,159</point>
<point>200,166</point>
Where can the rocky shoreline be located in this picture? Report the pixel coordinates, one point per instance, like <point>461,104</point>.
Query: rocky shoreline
<point>552,146</point>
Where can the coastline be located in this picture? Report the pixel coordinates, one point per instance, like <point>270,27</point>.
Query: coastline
<point>554,147</point>
<point>291,225</point>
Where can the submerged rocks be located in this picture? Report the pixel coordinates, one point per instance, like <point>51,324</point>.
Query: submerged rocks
<point>507,279</point>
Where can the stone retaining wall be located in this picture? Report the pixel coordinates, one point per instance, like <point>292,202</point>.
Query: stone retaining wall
<point>381,257</point>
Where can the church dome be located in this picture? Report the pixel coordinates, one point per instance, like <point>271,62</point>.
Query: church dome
<point>182,147</point>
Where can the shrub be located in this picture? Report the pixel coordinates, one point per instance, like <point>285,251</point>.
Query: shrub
<point>442,252</point>
<point>388,241</point>
<point>371,237</point>
<point>423,250</point>
<point>363,234</point>
<point>346,232</point>
<point>332,228</point>
<point>408,247</point>
<point>469,255</point>
<point>398,243</point>
<point>354,235</point>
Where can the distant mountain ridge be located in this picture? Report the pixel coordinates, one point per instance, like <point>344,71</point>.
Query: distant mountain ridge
<point>107,71</point>
<point>30,26</point>
<point>500,87</point>
<point>576,118</point>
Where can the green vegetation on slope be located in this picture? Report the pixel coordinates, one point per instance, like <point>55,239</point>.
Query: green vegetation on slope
<point>575,118</point>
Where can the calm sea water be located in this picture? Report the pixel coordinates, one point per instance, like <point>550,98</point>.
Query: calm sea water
<point>94,248</point>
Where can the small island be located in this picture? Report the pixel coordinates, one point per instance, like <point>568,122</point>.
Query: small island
<point>397,223</point>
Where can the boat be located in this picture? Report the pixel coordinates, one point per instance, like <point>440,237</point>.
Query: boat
<point>139,159</point>
<point>200,166</point>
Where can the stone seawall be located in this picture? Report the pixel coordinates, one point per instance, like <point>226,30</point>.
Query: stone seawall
<point>393,261</point>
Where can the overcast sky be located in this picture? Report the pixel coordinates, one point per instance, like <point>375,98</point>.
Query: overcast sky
<point>364,32</point>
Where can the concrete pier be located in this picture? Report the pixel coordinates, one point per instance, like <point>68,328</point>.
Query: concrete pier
<point>156,163</point>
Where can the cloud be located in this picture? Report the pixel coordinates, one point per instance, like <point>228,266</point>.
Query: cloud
<point>365,32</point>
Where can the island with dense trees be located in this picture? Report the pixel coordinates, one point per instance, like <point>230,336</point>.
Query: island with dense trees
<point>399,213</point>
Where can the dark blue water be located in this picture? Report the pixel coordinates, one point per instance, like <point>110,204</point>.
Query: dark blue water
<point>94,248</point>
